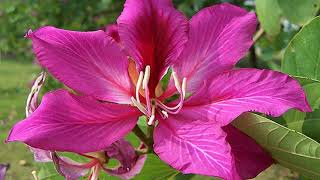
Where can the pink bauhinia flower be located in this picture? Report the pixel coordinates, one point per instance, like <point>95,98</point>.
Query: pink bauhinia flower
<point>119,80</point>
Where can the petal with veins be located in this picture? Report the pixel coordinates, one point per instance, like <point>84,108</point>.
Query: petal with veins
<point>195,147</point>
<point>41,155</point>
<point>154,33</point>
<point>231,93</point>
<point>219,36</point>
<point>88,62</point>
<point>67,122</point>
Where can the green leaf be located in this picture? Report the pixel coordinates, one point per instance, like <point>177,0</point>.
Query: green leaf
<point>313,94</point>
<point>306,123</point>
<point>288,147</point>
<point>270,22</point>
<point>302,56</point>
<point>156,169</point>
<point>294,119</point>
<point>311,125</point>
<point>312,90</point>
<point>299,11</point>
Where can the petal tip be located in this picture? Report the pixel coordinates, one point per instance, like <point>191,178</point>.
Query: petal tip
<point>307,108</point>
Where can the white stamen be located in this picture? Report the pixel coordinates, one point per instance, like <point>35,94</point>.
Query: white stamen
<point>151,119</point>
<point>165,113</point>
<point>176,81</point>
<point>139,85</point>
<point>146,77</point>
<point>184,87</point>
<point>139,106</point>
<point>176,109</point>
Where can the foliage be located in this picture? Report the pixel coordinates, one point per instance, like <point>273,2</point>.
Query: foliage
<point>21,15</point>
<point>289,148</point>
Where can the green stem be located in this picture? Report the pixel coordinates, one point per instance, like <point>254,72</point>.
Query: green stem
<point>147,140</point>
<point>140,134</point>
<point>150,138</point>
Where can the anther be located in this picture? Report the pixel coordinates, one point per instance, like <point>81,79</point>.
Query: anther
<point>165,113</point>
<point>146,77</point>
<point>184,87</point>
<point>139,85</point>
<point>176,81</point>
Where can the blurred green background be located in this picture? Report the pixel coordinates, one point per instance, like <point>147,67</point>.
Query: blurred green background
<point>18,68</point>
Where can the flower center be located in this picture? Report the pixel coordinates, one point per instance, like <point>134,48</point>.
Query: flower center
<point>153,104</point>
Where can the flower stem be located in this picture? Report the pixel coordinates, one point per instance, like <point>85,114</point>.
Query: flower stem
<point>150,137</point>
<point>140,134</point>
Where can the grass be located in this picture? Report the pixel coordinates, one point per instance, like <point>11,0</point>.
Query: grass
<point>14,87</point>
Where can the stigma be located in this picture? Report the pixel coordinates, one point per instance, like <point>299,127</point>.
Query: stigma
<point>153,104</point>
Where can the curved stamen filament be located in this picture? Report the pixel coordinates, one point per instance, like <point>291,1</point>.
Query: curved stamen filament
<point>146,77</point>
<point>144,80</point>
<point>184,87</point>
<point>138,86</point>
<point>182,91</point>
<point>139,105</point>
<point>149,108</point>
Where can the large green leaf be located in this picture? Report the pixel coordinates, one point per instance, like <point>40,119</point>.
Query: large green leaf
<point>288,147</point>
<point>302,56</point>
<point>299,11</point>
<point>312,90</point>
<point>311,125</point>
<point>269,21</point>
<point>306,123</point>
<point>294,119</point>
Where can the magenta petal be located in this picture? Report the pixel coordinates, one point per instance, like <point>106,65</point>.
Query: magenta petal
<point>3,170</point>
<point>130,163</point>
<point>250,158</point>
<point>70,169</point>
<point>232,93</point>
<point>41,155</point>
<point>153,33</point>
<point>88,62</point>
<point>194,147</point>
<point>67,122</point>
<point>219,36</point>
